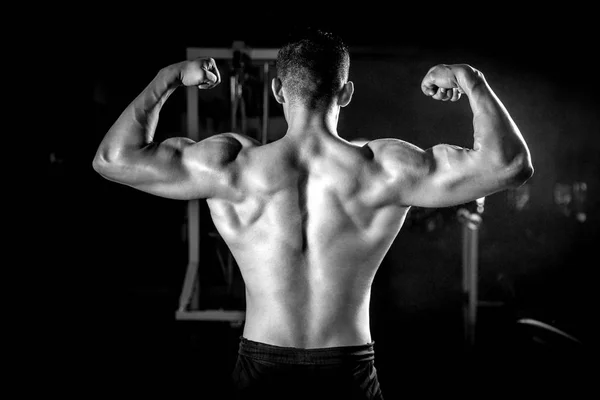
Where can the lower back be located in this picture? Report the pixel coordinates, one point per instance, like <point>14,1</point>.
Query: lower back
<point>305,311</point>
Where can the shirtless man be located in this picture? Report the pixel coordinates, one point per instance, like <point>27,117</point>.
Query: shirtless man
<point>310,217</point>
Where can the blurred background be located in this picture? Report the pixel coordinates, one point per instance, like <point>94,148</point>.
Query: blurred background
<point>123,254</point>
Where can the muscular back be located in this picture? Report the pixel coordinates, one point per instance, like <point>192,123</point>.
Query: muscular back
<point>309,224</point>
<point>310,217</point>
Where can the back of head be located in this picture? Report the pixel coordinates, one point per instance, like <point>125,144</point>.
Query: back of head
<point>313,67</point>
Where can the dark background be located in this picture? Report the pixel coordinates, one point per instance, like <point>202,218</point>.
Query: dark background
<point>118,256</point>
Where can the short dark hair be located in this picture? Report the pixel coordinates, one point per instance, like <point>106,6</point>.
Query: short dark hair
<point>313,66</point>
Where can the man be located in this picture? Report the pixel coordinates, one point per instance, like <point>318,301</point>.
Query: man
<point>310,217</point>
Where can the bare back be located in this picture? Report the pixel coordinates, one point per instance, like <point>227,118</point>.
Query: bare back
<point>310,217</point>
<point>309,229</point>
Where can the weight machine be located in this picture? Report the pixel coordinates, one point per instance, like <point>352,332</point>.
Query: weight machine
<point>240,58</point>
<point>471,222</point>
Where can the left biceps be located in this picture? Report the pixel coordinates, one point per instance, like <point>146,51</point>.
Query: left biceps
<point>160,169</point>
<point>143,167</point>
<point>457,176</point>
<point>180,168</point>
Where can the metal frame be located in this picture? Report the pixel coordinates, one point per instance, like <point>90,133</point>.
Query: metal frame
<point>190,290</point>
<point>470,241</point>
<point>191,284</point>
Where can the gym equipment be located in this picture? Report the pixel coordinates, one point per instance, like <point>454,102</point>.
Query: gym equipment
<point>240,58</point>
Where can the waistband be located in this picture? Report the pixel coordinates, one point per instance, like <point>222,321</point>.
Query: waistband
<point>295,355</point>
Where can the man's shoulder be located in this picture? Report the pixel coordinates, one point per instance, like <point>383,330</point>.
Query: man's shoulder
<point>244,140</point>
<point>220,149</point>
<point>392,148</point>
<point>384,144</point>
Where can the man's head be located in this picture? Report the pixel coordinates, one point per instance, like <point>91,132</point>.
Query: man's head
<point>312,71</point>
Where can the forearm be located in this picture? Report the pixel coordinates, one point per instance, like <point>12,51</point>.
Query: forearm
<point>496,136</point>
<point>136,125</point>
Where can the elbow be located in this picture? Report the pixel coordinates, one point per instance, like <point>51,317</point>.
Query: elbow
<point>106,164</point>
<point>99,164</point>
<point>102,161</point>
<point>520,172</point>
<point>522,176</point>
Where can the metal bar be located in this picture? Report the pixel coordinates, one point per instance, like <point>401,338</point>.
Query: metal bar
<point>271,53</point>
<point>265,121</point>
<point>212,315</point>
<point>195,52</point>
<point>229,273</point>
<point>193,220</point>
<point>234,101</point>
<point>263,54</point>
<point>465,281</point>
<point>188,285</point>
<point>470,226</point>
<point>221,53</point>
<point>549,328</point>
<point>465,257</point>
<point>189,296</point>
<point>472,277</point>
<point>242,113</point>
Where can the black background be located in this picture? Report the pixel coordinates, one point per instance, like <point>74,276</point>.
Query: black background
<point>114,259</point>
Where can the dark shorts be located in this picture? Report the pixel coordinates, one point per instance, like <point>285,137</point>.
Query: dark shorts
<point>263,371</point>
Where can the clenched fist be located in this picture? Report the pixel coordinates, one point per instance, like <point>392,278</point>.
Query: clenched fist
<point>201,72</point>
<point>447,82</point>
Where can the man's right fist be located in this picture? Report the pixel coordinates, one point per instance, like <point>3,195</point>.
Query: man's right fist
<point>201,72</point>
<point>447,82</point>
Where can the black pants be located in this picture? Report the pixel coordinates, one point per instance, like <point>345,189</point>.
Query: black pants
<point>264,371</point>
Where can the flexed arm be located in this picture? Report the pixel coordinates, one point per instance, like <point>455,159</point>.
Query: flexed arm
<point>178,167</point>
<point>446,175</point>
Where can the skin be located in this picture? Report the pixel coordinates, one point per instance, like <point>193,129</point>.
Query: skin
<point>310,217</point>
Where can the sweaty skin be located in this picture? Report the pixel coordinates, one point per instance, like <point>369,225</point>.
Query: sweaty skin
<point>309,229</point>
<point>310,217</point>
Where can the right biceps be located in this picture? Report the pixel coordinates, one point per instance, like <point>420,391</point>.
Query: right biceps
<point>446,176</point>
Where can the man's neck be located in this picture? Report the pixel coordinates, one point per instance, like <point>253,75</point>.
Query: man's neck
<point>303,122</point>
